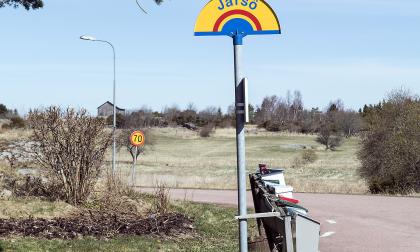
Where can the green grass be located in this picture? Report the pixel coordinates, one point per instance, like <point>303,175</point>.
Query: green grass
<point>216,231</point>
<point>181,159</point>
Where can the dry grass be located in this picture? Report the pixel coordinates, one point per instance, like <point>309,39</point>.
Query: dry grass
<point>180,158</point>
<point>31,207</point>
<point>14,134</point>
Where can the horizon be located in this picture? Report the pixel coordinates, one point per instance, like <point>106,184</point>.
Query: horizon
<point>224,110</point>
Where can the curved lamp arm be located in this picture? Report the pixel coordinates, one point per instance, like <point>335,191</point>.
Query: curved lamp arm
<point>141,8</point>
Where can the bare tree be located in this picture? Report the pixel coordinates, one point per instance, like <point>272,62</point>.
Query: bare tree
<point>327,138</point>
<point>142,118</point>
<point>191,107</point>
<point>171,113</point>
<point>71,146</point>
<point>328,134</point>
<point>209,115</point>
<point>349,123</point>
<point>297,106</point>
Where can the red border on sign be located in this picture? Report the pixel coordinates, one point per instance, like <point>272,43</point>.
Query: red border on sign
<point>236,12</point>
<point>131,138</point>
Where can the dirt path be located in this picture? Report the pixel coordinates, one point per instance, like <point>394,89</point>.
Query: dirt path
<point>350,223</point>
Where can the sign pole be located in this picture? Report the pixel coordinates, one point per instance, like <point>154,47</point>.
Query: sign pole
<point>133,171</point>
<point>240,142</point>
<point>137,139</point>
<point>237,20</point>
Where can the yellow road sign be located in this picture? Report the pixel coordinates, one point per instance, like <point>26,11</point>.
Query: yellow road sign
<point>137,138</point>
<point>230,17</point>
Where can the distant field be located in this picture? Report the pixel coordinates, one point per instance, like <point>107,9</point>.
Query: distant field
<point>180,158</point>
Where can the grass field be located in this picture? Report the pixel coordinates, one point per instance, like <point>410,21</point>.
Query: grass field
<point>180,158</point>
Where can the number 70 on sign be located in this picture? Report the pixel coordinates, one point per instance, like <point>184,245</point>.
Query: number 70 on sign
<point>137,138</point>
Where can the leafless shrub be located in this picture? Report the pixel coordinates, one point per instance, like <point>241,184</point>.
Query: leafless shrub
<point>116,185</point>
<point>71,146</point>
<point>206,131</point>
<point>309,156</point>
<point>161,201</point>
<point>121,200</point>
<point>329,138</point>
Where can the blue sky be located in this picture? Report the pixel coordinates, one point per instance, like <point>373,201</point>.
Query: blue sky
<point>356,50</point>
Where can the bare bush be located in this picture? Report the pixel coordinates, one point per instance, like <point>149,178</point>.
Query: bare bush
<point>309,156</point>
<point>161,200</point>
<point>117,198</point>
<point>71,146</point>
<point>206,131</point>
<point>327,137</point>
<point>349,123</point>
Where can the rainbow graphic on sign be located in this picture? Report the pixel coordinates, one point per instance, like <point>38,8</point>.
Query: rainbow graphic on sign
<point>237,17</point>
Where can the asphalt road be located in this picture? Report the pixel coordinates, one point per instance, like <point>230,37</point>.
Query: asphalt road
<point>349,223</point>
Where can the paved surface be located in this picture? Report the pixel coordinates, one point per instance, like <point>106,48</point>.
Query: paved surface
<point>349,222</point>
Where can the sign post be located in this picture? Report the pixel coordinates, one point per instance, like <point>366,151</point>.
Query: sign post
<point>237,19</point>
<point>137,140</point>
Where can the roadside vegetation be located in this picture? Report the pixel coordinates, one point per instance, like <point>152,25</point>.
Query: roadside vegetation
<point>390,153</point>
<point>214,230</point>
<point>51,202</point>
<point>57,193</point>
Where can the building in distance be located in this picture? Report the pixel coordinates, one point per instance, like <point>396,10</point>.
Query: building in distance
<point>107,109</point>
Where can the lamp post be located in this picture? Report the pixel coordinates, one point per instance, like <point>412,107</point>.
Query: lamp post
<point>89,38</point>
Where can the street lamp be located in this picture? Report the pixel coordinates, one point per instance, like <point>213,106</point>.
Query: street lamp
<point>89,38</point>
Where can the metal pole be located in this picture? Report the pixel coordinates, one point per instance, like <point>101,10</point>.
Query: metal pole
<point>114,145</point>
<point>240,145</point>
<point>133,171</point>
<point>114,124</point>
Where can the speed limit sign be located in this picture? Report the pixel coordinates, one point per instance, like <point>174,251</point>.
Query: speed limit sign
<point>137,138</point>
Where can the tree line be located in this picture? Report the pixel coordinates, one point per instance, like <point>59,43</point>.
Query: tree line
<point>389,131</point>
<point>14,120</point>
<point>274,114</point>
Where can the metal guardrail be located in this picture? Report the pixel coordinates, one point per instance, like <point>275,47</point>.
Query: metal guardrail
<point>282,222</point>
